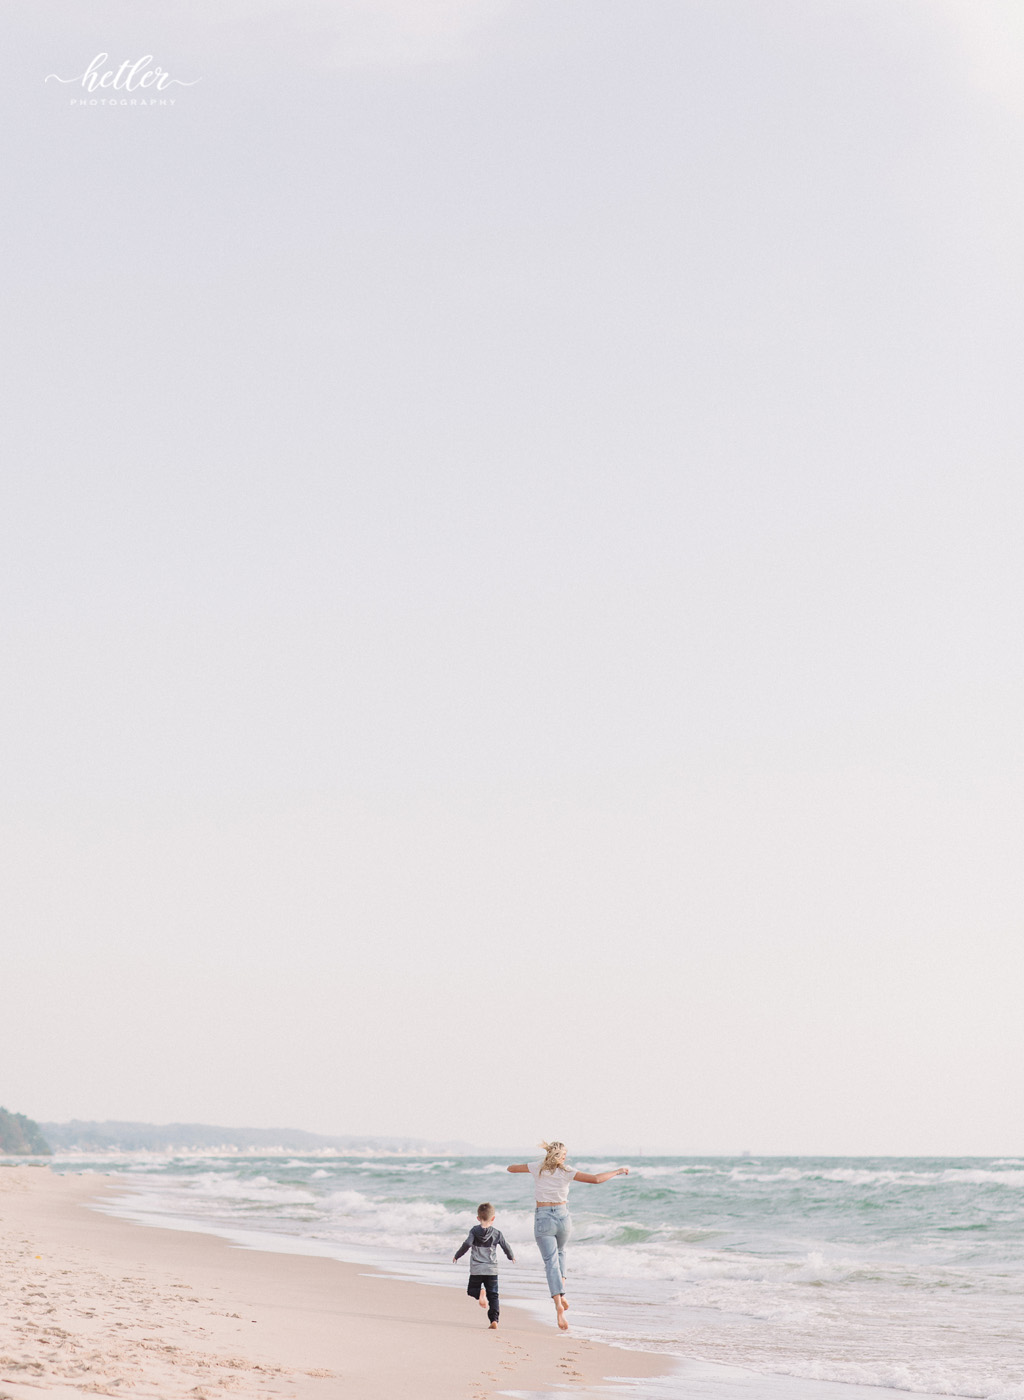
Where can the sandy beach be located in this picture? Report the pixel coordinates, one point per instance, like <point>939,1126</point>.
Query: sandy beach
<point>93,1305</point>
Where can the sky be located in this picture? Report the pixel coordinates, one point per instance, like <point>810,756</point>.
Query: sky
<point>511,538</point>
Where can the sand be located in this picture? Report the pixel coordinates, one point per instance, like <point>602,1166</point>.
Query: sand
<point>92,1305</point>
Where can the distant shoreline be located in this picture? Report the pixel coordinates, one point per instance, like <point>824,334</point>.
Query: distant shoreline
<point>113,1135</point>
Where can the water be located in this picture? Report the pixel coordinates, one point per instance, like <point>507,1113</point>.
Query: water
<point>801,1278</point>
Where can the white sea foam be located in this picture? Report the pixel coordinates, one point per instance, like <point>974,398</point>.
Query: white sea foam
<point>405,1168</point>
<point>347,1203</point>
<point>814,1268</point>
<point>935,1378</point>
<point>855,1176</point>
<point>655,1171</point>
<point>975,1176</point>
<point>217,1185</point>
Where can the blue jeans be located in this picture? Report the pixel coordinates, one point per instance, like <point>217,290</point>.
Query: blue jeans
<point>551,1229</point>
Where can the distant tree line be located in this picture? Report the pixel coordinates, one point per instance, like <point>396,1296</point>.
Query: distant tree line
<point>20,1137</point>
<point>113,1136</point>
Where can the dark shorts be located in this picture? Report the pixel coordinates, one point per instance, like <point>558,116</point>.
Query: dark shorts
<point>489,1283</point>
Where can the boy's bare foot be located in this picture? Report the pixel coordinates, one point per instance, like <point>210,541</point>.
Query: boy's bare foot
<point>560,1313</point>
<point>494,1327</point>
<point>482,1300</point>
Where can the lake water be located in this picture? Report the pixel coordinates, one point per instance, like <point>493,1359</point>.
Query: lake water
<point>824,1279</point>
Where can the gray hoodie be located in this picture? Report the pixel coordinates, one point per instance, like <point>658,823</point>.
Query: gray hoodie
<point>482,1243</point>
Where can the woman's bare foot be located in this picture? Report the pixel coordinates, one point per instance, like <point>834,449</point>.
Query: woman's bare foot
<point>560,1312</point>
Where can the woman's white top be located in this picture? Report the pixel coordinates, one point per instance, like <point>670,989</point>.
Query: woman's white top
<point>553,1187</point>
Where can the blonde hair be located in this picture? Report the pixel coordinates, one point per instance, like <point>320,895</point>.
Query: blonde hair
<point>554,1156</point>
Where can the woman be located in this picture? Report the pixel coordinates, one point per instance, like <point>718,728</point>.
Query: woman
<point>551,1223</point>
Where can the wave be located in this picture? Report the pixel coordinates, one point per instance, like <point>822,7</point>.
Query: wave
<point>656,1171</point>
<point>865,1176</point>
<point>218,1185</point>
<point>403,1167</point>
<point>929,1378</point>
<point>979,1176</point>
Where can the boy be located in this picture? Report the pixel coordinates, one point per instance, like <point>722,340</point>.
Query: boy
<point>482,1242</point>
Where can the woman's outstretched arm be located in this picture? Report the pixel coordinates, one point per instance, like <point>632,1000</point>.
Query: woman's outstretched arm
<point>519,1167</point>
<point>596,1180</point>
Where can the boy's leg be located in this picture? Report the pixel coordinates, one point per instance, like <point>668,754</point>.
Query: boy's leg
<point>493,1308</point>
<point>473,1289</point>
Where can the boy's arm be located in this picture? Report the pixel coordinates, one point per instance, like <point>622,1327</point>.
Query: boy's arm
<point>505,1246</point>
<point>463,1247</point>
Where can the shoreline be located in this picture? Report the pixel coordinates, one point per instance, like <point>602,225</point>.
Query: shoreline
<point>94,1303</point>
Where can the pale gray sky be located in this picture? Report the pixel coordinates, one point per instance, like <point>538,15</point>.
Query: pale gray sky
<point>512,548</point>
